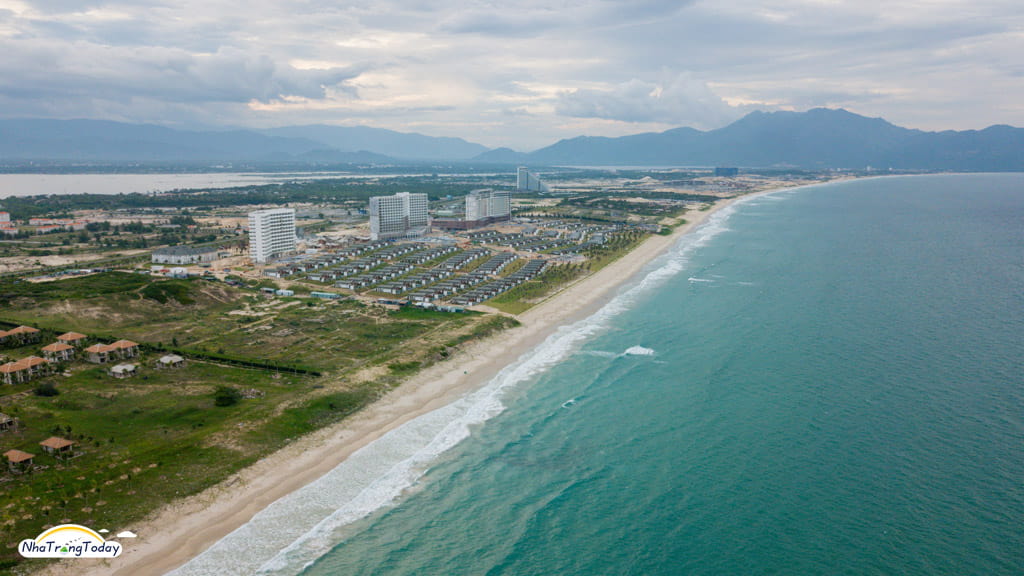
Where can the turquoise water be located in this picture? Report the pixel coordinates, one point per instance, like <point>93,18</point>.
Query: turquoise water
<point>822,381</point>
<point>831,385</point>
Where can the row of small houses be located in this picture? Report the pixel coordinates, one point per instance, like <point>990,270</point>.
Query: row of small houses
<point>415,255</point>
<point>329,260</point>
<point>375,276</point>
<point>442,290</point>
<point>492,289</point>
<point>415,281</point>
<point>453,286</point>
<point>63,350</point>
<point>19,461</point>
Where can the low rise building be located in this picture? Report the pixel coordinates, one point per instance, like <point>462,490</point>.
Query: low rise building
<point>103,353</point>
<point>183,255</point>
<point>23,370</point>
<point>171,361</point>
<point>73,339</point>
<point>19,336</point>
<point>59,352</point>
<point>123,370</point>
<point>58,447</point>
<point>18,461</point>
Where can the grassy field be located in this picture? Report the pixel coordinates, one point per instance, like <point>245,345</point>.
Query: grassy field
<point>210,317</point>
<point>145,440</point>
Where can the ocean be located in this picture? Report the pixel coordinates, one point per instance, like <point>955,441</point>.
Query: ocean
<point>827,380</point>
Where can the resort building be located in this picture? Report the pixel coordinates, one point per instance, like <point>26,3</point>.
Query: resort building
<point>122,370</point>
<point>398,216</point>
<point>488,205</point>
<point>59,352</point>
<point>23,370</point>
<point>170,361</point>
<point>18,461</point>
<point>5,217</point>
<point>6,423</point>
<point>19,336</point>
<point>103,353</point>
<point>527,181</point>
<point>180,255</point>
<point>271,234</point>
<point>72,339</point>
<point>58,447</point>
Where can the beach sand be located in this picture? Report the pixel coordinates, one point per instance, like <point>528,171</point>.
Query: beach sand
<point>184,529</point>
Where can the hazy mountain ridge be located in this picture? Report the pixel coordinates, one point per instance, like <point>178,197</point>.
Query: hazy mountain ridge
<point>816,139</point>
<point>401,145</point>
<point>108,141</point>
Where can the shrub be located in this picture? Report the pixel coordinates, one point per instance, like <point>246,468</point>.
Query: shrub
<point>226,396</point>
<point>46,389</point>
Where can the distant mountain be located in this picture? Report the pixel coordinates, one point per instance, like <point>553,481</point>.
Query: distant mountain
<point>502,156</point>
<point>105,141</point>
<point>816,139</point>
<point>407,146</point>
<point>100,140</point>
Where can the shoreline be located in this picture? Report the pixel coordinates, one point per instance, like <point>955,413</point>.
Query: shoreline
<point>182,530</point>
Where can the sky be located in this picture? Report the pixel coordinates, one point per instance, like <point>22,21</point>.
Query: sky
<point>516,73</point>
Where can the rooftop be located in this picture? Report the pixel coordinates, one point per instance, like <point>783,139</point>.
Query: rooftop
<point>56,443</point>
<point>184,250</point>
<point>16,456</point>
<point>57,347</point>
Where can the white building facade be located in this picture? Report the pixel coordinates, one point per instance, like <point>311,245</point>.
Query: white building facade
<point>398,216</point>
<point>488,204</point>
<point>271,233</point>
<point>527,181</point>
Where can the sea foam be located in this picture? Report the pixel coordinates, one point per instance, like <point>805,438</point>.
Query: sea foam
<point>638,351</point>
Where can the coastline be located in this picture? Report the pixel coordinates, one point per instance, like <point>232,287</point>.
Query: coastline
<point>182,530</point>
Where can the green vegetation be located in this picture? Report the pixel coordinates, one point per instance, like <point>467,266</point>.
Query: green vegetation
<point>226,396</point>
<point>162,292</point>
<point>246,389</point>
<point>46,389</point>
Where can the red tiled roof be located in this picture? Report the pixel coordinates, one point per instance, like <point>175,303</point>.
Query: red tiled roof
<point>57,347</point>
<point>71,336</point>
<point>56,443</point>
<point>16,456</point>
<point>23,364</point>
<point>22,330</point>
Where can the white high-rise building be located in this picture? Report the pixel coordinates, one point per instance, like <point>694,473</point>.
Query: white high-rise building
<point>487,204</point>
<point>398,216</point>
<point>526,181</point>
<point>271,233</point>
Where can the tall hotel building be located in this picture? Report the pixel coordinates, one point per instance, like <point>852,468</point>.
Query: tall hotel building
<point>489,205</point>
<point>404,214</point>
<point>271,233</point>
<point>527,181</point>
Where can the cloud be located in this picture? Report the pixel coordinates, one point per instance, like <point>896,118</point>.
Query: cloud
<point>680,99</point>
<point>515,72</point>
<point>39,70</point>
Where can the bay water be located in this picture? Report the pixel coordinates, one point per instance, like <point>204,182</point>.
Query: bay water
<point>828,380</point>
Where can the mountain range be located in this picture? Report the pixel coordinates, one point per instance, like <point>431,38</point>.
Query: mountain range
<point>816,139</point>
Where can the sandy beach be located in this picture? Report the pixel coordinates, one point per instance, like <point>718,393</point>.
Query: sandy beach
<point>184,529</point>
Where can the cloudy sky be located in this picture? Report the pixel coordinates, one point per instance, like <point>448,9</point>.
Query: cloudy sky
<point>518,73</point>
